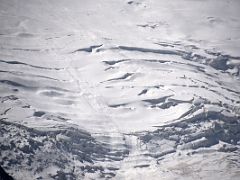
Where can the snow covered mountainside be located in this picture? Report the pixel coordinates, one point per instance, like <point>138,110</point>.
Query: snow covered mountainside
<point>120,89</point>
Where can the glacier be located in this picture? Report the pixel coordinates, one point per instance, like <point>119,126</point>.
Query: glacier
<point>119,89</point>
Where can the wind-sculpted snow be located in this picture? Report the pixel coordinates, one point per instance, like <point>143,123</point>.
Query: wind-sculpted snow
<point>90,91</point>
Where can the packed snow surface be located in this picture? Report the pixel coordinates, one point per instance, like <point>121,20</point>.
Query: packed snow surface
<point>116,89</point>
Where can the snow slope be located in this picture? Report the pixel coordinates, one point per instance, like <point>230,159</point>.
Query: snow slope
<point>114,89</point>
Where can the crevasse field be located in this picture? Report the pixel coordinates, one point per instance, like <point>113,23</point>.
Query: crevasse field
<point>118,89</point>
